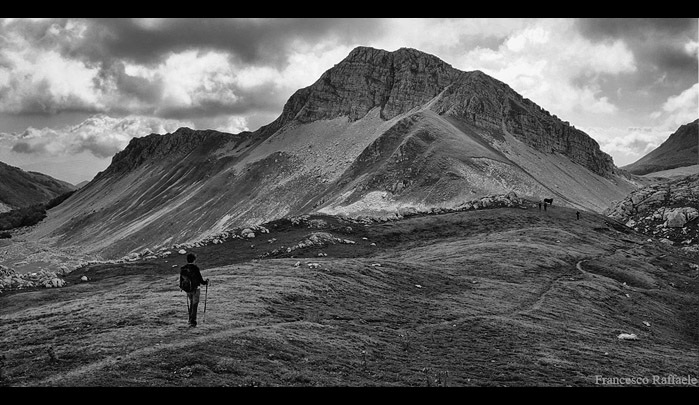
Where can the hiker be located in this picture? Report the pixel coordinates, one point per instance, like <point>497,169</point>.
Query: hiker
<point>190,279</point>
<point>577,213</point>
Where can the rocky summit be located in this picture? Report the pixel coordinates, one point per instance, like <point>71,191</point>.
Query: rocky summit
<point>377,134</point>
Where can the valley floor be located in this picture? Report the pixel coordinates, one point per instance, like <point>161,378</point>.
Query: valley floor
<point>498,297</point>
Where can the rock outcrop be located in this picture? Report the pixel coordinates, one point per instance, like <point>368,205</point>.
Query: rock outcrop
<point>667,209</point>
<point>10,279</point>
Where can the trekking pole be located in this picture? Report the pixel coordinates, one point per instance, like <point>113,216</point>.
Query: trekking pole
<point>206,294</point>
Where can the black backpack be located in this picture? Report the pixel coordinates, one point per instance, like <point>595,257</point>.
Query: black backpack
<point>186,283</point>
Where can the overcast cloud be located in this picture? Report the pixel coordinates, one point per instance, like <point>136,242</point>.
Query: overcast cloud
<point>96,83</point>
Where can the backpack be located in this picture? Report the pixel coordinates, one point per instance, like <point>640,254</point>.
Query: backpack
<point>186,284</point>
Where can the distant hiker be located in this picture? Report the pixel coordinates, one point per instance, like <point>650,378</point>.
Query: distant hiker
<point>577,214</point>
<point>190,279</point>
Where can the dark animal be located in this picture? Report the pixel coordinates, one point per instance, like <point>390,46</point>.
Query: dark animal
<point>548,201</point>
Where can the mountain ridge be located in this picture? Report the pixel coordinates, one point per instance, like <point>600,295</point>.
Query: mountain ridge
<point>19,188</point>
<point>680,149</point>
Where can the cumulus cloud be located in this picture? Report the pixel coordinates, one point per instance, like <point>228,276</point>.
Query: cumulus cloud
<point>99,135</point>
<point>236,74</point>
<point>552,64</point>
<point>680,109</point>
<point>253,41</point>
<point>627,145</point>
<point>170,68</point>
<point>637,141</point>
<point>665,43</point>
<point>44,83</point>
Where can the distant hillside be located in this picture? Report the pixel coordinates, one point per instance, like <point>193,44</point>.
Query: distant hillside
<point>683,171</point>
<point>20,189</point>
<point>679,150</point>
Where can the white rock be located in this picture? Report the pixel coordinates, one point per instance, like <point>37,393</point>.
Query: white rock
<point>182,251</point>
<point>627,336</point>
<point>83,278</point>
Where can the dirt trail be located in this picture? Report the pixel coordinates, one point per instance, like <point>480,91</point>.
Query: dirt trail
<point>526,308</point>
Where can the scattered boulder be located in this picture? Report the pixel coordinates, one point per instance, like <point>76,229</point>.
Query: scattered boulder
<point>9,279</point>
<point>678,217</point>
<point>627,336</point>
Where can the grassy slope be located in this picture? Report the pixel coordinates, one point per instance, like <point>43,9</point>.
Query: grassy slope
<point>680,149</point>
<point>676,172</point>
<point>19,188</point>
<point>485,298</point>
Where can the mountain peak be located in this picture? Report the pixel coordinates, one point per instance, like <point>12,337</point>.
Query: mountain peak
<point>371,78</point>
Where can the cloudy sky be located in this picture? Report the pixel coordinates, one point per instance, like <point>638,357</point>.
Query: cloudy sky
<point>73,92</point>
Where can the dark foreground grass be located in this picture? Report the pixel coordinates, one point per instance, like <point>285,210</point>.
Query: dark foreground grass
<point>504,297</point>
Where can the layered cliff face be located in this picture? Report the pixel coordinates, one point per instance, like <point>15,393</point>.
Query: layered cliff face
<point>368,78</point>
<point>379,132</point>
<point>19,188</point>
<point>488,103</point>
<point>680,149</point>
